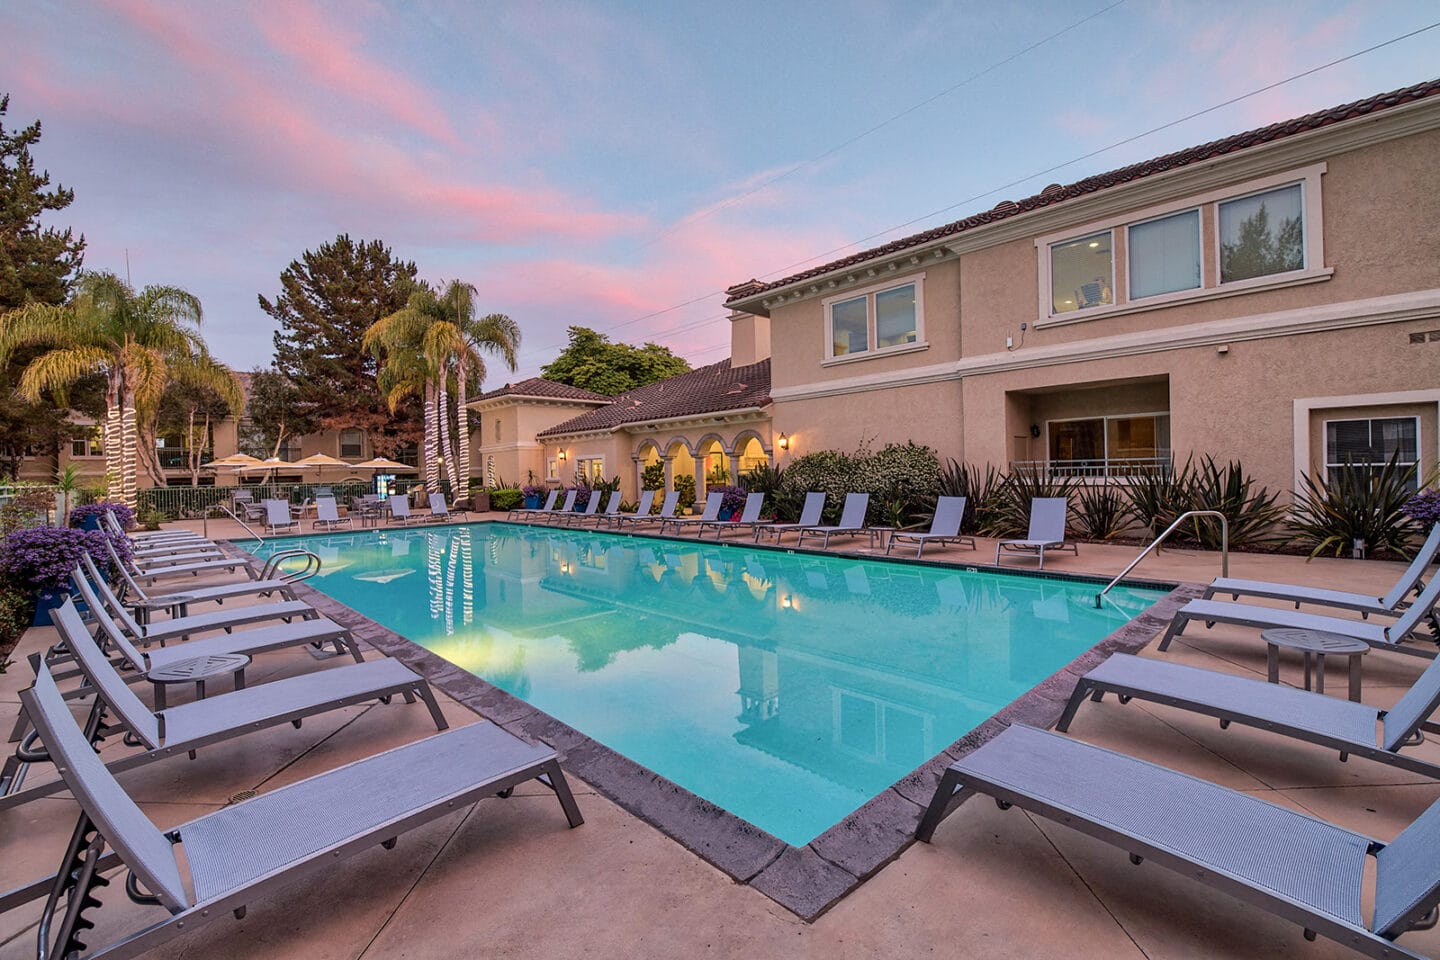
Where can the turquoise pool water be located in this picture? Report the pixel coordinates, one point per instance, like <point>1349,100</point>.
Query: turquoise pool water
<point>786,688</point>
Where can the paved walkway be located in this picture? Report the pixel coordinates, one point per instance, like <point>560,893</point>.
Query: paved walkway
<point>505,878</point>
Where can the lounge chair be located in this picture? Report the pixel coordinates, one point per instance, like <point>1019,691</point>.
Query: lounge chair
<point>523,513</point>
<point>181,628</point>
<point>711,513</point>
<point>1288,863</point>
<point>591,508</point>
<point>141,601</point>
<point>749,517</point>
<point>183,729</point>
<point>278,517</point>
<point>558,514</point>
<point>944,527</point>
<point>643,518</point>
<point>194,568</point>
<point>150,537</point>
<point>642,509</point>
<point>1411,581</point>
<point>1249,615</point>
<point>852,521</point>
<point>1047,531</point>
<point>810,514</point>
<point>400,511</point>
<point>327,515</point>
<point>440,510</point>
<point>1313,717</point>
<point>244,851</point>
<point>611,511</point>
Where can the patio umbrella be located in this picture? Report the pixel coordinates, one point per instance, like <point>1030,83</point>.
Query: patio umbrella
<point>322,460</point>
<point>381,465</point>
<point>234,460</point>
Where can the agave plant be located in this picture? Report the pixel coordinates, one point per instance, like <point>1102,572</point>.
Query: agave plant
<point>1252,513</point>
<point>1101,512</point>
<point>1156,499</point>
<point>978,489</point>
<point>1011,501</point>
<point>1357,503</point>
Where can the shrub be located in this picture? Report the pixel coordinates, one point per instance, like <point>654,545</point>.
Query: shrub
<point>966,480</point>
<point>43,557</point>
<point>28,507</point>
<point>1252,513</point>
<point>731,498</point>
<point>1156,499</point>
<point>122,511</point>
<point>909,472</point>
<point>1010,503</point>
<point>17,609</point>
<point>653,476</point>
<point>780,503</point>
<point>1101,512</point>
<point>506,498</point>
<point>1358,503</point>
<point>1424,508</point>
<point>529,490</point>
<point>685,486</point>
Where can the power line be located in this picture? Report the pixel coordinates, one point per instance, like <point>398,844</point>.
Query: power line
<point>1041,173</point>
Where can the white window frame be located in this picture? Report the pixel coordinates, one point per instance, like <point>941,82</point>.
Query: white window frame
<point>340,442</point>
<point>1105,440</point>
<point>93,439</point>
<point>1325,463</point>
<point>828,358</point>
<point>1210,287</point>
<point>584,468</point>
<point>1199,249</point>
<point>1114,279</point>
<point>552,468</point>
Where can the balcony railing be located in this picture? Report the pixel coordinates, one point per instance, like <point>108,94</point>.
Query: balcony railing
<point>177,458</point>
<point>1102,469</point>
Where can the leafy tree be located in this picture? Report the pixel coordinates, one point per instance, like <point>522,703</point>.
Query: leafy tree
<point>591,361</point>
<point>133,339</point>
<point>328,299</point>
<point>37,265</point>
<point>274,410</point>
<point>433,349</point>
<point>191,404</point>
<point>1259,252</point>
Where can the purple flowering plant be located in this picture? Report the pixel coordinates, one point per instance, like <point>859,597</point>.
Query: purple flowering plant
<point>41,558</point>
<point>123,512</point>
<point>732,498</point>
<point>1423,508</point>
<point>533,490</point>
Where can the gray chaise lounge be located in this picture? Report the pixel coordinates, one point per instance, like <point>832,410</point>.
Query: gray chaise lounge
<point>1391,604</point>
<point>645,518</point>
<point>1249,615</point>
<point>852,521</point>
<point>711,513</point>
<point>1297,867</point>
<point>1047,531</point>
<point>1313,717</point>
<point>246,850</point>
<point>749,518</point>
<point>944,528</point>
<point>183,729</point>
<point>523,513</point>
<point>810,513</point>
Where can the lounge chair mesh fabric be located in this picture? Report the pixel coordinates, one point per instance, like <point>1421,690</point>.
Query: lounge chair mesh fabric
<point>1294,855</point>
<point>1412,709</point>
<point>1406,878</point>
<point>233,846</point>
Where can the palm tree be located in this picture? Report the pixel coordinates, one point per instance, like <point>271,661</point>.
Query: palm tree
<point>434,347</point>
<point>133,339</point>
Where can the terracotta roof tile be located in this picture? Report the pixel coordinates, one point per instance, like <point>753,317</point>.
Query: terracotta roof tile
<point>540,387</point>
<point>1055,193</point>
<point>713,389</point>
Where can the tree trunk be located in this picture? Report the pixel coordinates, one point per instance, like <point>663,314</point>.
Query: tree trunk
<point>432,466</point>
<point>112,437</point>
<point>129,449</point>
<point>462,423</point>
<point>447,447</point>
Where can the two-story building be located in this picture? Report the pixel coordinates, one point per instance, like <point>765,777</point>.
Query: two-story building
<point>1271,297</point>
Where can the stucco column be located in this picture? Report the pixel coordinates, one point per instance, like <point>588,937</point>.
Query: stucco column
<point>734,469</point>
<point>669,472</point>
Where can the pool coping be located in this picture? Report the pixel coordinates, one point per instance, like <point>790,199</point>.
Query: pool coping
<point>807,880</point>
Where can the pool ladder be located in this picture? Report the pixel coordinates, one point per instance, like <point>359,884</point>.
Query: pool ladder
<point>1155,544</point>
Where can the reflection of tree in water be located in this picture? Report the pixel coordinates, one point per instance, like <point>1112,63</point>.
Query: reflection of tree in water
<point>512,677</point>
<point>1259,251</point>
<point>596,642</point>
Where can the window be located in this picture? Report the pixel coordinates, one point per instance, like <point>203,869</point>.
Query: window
<point>89,445</point>
<point>552,469</point>
<point>1082,273</point>
<point>289,449</point>
<point>1165,254</point>
<point>497,429</point>
<point>352,443</point>
<point>1118,446</point>
<point>592,469</point>
<point>875,320</point>
<point>1370,444</point>
<point>1262,234</point>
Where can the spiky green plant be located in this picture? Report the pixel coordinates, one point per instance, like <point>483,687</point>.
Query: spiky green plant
<point>1358,503</point>
<point>1155,499</point>
<point>1101,512</point>
<point>1011,501</point>
<point>1252,511</point>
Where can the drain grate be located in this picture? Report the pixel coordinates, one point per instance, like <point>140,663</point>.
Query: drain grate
<point>238,797</point>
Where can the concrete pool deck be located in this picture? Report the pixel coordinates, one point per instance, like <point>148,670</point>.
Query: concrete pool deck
<point>506,878</point>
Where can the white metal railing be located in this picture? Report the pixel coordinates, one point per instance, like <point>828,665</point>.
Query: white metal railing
<point>1095,469</point>
<point>1154,544</point>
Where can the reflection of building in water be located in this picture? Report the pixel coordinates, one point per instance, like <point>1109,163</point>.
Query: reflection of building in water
<point>759,685</point>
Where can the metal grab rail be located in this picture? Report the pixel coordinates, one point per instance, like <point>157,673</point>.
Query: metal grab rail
<point>233,516</point>
<point>1224,548</point>
<point>272,566</point>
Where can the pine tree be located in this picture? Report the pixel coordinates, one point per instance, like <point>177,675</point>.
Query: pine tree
<point>328,299</point>
<point>37,265</point>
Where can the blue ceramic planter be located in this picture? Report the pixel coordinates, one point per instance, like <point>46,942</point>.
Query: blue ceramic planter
<point>47,601</point>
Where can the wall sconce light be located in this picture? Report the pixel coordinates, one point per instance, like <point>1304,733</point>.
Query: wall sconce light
<point>784,442</point>
<point>562,456</point>
<point>787,602</point>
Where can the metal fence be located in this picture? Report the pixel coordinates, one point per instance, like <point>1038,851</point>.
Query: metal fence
<point>177,503</point>
<point>1095,469</point>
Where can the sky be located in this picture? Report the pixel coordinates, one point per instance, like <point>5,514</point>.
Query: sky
<point>617,165</point>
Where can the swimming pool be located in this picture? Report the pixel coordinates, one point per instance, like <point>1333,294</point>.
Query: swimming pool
<point>786,688</point>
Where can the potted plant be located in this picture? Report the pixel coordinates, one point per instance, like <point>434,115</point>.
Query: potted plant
<point>533,494</point>
<point>41,559</point>
<point>87,516</point>
<point>732,501</point>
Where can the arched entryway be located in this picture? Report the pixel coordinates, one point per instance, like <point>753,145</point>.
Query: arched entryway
<point>714,464</point>
<point>682,466</point>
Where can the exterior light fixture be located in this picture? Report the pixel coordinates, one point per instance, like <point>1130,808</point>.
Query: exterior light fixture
<point>562,456</point>
<point>784,442</point>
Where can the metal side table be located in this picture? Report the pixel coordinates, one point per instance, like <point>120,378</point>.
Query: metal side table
<point>1314,645</point>
<point>197,670</point>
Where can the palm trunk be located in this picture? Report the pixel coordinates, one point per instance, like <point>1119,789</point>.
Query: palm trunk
<point>111,435</point>
<point>447,447</point>
<point>432,466</point>
<point>462,422</point>
<point>129,448</point>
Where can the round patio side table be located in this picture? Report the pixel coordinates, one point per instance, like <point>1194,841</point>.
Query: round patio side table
<point>197,670</point>
<point>1314,645</point>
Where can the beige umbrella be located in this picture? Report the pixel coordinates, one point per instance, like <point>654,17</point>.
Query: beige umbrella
<point>234,460</point>
<point>322,460</point>
<point>380,464</point>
